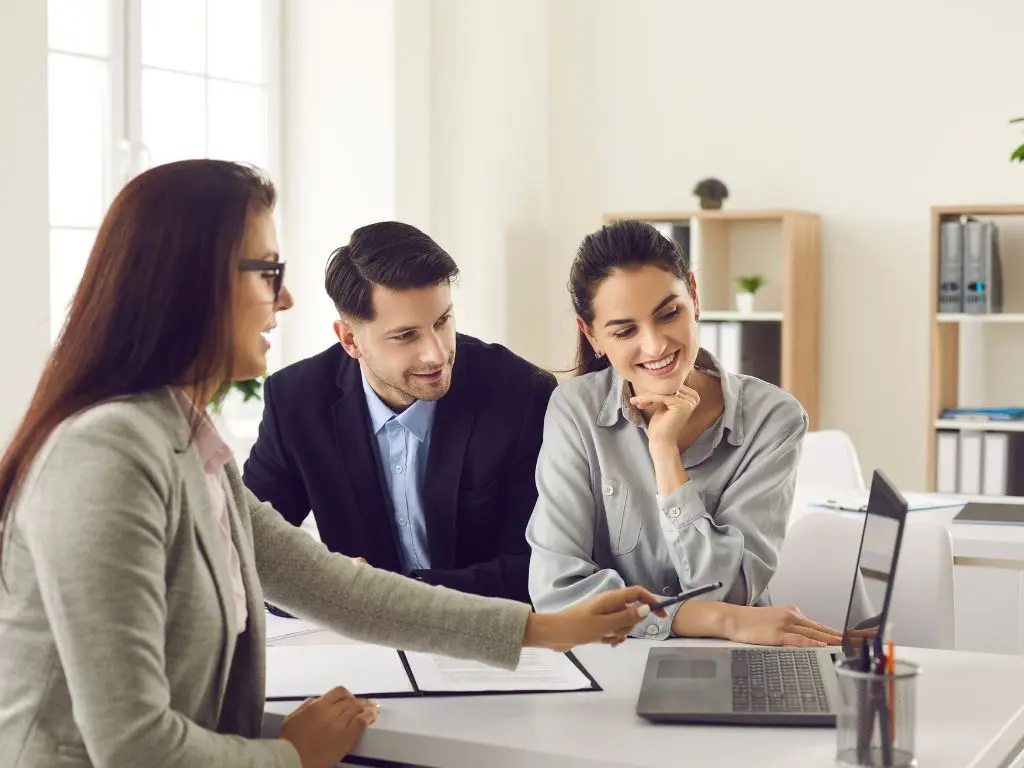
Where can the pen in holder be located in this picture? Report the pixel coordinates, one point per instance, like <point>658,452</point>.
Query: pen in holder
<point>876,715</point>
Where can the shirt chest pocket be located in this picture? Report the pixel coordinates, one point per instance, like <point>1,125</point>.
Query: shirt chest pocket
<point>623,522</point>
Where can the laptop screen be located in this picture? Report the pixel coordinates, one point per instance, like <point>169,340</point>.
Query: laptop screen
<point>876,565</point>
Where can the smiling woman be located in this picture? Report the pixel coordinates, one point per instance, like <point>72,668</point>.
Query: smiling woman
<point>132,551</point>
<point>690,468</point>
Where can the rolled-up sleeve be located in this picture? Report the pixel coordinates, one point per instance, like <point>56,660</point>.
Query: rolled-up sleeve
<point>739,545</point>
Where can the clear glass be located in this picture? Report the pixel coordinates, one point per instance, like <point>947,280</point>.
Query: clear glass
<point>174,35</point>
<point>237,126</point>
<point>173,116</point>
<point>235,39</point>
<point>79,26</point>
<point>78,119</point>
<point>69,252</point>
<point>875,724</point>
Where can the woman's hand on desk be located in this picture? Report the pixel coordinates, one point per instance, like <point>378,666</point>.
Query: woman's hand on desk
<point>607,617</point>
<point>779,625</point>
<point>323,730</point>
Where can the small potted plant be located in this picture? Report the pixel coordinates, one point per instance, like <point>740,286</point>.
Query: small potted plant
<point>1018,153</point>
<point>749,285</point>
<point>711,193</point>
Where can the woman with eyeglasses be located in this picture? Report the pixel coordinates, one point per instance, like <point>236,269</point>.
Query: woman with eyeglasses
<point>135,563</point>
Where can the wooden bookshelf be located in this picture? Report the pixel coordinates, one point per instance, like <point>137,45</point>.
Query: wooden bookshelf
<point>945,336</point>
<point>783,245</point>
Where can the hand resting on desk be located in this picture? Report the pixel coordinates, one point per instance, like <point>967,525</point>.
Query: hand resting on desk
<point>776,625</point>
<point>324,729</point>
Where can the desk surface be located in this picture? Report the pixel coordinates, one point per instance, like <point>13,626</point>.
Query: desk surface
<point>602,730</point>
<point>981,541</point>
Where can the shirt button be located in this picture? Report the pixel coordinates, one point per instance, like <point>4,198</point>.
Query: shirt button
<point>652,629</point>
<point>674,512</point>
<point>403,522</point>
<point>666,591</point>
<point>399,469</point>
<point>609,489</point>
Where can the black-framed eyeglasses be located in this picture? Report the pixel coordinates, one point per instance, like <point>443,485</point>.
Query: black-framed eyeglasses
<point>269,268</point>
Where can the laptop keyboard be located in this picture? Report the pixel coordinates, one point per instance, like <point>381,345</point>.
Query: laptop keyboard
<point>777,680</point>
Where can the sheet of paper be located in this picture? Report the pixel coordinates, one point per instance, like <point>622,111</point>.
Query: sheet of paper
<point>539,670</point>
<point>301,671</point>
<point>858,502</point>
<point>279,626</point>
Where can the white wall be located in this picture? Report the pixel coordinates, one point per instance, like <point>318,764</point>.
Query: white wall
<point>24,207</point>
<point>867,113</point>
<point>516,125</point>
<point>354,117</point>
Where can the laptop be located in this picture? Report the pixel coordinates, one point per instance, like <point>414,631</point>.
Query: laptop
<point>781,686</point>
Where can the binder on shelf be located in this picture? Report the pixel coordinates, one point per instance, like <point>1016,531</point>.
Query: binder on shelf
<point>730,349</point>
<point>709,337</point>
<point>1003,464</point>
<point>983,273</point>
<point>946,466</point>
<point>951,267</point>
<point>969,464</point>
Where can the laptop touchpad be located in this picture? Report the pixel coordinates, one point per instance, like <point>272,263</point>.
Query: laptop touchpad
<point>687,668</point>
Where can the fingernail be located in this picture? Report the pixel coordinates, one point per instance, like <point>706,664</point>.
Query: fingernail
<point>643,609</point>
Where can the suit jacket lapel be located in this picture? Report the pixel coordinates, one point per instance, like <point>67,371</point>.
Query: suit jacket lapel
<point>359,471</point>
<point>214,550</point>
<point>247,677</point>
<point>453,423</point>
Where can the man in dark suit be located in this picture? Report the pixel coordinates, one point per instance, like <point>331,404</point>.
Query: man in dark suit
<point>414,447</point>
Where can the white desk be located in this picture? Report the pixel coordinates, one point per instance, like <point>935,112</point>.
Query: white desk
<point>988,574</point>
<point>980,729</point>
<point>993,543</point>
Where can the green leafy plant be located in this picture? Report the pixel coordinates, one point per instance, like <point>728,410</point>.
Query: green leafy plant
<point>1018,153</point>
<point>750,283</point>
<point>249,388</point>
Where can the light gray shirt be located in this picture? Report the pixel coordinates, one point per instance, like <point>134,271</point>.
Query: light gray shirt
<point>600,524</point>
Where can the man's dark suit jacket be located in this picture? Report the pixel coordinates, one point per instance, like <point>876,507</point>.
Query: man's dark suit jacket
<point>315,451</point>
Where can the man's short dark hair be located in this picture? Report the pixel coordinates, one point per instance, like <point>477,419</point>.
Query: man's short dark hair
<point>391,254</point>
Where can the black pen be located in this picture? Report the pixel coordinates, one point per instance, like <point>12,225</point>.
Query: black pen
<point>685,596</point>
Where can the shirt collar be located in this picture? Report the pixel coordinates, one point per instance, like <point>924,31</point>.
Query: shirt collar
<point>417,418</point>
<point>214,453</point>
<point>617,406</point>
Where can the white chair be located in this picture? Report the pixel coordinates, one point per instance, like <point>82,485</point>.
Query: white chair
<point>816,569</point>
<point>829,460</point>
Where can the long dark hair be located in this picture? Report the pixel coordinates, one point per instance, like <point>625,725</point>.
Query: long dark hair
<point>626,244</point>
<point>153,306</point>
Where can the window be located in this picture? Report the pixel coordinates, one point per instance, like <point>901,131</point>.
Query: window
<point>137,83</point>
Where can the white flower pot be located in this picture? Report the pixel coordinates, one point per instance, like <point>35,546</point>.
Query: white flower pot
<point>745,302</point>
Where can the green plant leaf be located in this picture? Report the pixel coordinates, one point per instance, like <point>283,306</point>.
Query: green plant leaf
<point>1018,154</point>
<point>1017,120</point>
<point>750,283</point>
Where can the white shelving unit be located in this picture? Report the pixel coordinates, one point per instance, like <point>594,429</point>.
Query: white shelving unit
<point>1007,317</point>
<point>974,356</point>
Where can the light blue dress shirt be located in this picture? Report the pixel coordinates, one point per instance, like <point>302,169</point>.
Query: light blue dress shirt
<point>403,440</point>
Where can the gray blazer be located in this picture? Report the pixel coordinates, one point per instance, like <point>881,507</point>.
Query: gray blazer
<point>114,647</point>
